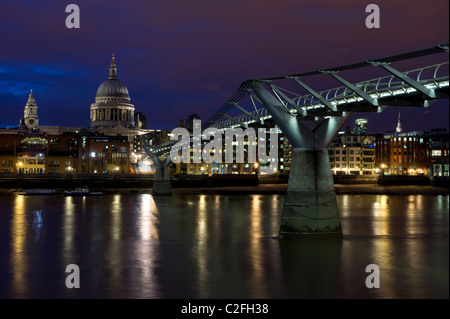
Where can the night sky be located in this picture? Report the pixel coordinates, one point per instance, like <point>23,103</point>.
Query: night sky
<point>179,57</point>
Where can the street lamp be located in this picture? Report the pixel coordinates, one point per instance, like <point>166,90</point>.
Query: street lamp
<point>256,168</point>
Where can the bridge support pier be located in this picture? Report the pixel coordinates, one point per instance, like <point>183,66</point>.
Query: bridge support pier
<point>161,183</point>
<point>310,208</point>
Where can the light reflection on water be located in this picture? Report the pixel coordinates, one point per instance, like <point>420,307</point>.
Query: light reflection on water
<point>211,246</point>
<point>18,255</point>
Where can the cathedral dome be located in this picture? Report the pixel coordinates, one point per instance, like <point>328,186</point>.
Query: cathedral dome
<point>112,88</point>
<point>112,105</point>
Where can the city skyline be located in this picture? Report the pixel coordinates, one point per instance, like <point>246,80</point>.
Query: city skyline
<point>294,177</point>
<point>189,58</point>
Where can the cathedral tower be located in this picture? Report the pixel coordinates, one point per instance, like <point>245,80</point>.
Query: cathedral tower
<point>30,117</point>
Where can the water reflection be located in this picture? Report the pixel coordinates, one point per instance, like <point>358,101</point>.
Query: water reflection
<point>37,224</point>
<point>209,246</point>
<point>398,234</point>
<point>69,227</point>
<point>145,250</point>
<point>311,267</point>
<point>114,251</point>
<point>255,250</point>
<point>201,247</point>
<point>19,262</point>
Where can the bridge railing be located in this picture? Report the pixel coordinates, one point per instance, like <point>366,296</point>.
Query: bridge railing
<point>390,83</point>
<point>378,86</point>
<point>433,76</point>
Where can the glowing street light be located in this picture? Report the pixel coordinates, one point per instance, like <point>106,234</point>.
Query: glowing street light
<point>382,169</point>
<point>20,164</point>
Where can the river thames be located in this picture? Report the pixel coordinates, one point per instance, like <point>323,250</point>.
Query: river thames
<point>219,246</point>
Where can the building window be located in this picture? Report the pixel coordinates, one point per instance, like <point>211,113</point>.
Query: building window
<point>436,153</point>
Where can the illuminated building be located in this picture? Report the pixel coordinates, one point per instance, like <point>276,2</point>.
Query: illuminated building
<point>32,148</point>
<point>438,152</point>
<point>402,153</point>
<point>107,155</point>
<point>352,154</point>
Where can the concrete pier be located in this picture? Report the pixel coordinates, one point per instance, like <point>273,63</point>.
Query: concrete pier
<point>161,184</point>
<point>310,207</point>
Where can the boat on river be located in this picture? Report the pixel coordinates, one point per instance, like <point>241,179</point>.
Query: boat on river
<point>38,192</point>
<point>82,191</point>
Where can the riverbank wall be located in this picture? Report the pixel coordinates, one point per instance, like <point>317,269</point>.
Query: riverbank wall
<point>136,182</point>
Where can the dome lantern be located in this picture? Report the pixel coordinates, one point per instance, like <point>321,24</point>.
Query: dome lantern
<point>113,69</point>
